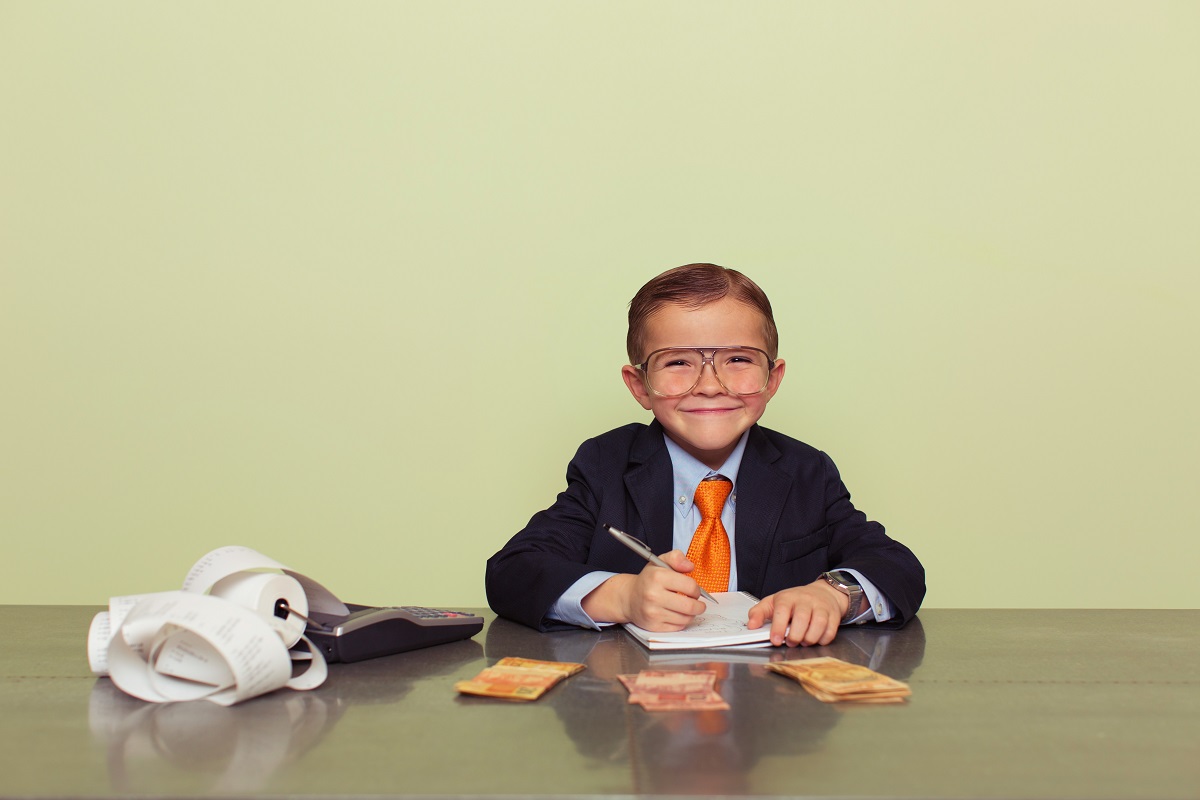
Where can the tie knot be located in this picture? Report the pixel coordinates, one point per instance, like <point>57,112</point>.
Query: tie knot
<point>710,497</point>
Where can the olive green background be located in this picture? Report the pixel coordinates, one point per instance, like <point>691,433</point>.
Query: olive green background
<point>346,283</point>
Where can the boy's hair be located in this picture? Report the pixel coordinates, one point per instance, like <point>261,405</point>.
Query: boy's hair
<point>692,286</point>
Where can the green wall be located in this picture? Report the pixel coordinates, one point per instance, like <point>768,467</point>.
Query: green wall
<point>346,283</point>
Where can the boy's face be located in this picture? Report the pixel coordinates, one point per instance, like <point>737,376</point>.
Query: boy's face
<point>707,421</point>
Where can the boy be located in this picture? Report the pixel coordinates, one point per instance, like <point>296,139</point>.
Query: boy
<point>753,510</point>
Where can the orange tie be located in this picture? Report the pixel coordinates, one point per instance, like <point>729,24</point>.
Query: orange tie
<point>709,549</point>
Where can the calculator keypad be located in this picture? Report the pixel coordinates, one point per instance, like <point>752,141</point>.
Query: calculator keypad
<point>432,613</point>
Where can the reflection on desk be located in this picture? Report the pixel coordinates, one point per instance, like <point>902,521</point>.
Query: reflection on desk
<point>710,752</point>
<point>1017,703</point>
<point>239,748</point>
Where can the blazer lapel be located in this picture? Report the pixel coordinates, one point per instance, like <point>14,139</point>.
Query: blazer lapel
<point>648,481</point>
<point>761,495</point>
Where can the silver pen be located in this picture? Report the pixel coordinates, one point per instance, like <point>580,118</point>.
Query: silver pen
<point>639,547</point>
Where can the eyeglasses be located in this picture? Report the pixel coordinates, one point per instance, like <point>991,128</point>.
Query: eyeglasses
<point>676,371</point>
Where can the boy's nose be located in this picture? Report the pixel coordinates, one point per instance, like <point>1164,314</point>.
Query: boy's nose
<point>709,383</point>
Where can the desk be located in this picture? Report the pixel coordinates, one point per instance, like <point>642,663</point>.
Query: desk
<point>1016,703</point>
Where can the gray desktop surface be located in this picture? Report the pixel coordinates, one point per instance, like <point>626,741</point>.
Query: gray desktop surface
<point>1006,703</point>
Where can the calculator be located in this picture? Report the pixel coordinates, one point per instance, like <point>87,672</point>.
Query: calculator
<point>370,631</point>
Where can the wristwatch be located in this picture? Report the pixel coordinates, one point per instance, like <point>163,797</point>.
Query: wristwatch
<point>844,582</point>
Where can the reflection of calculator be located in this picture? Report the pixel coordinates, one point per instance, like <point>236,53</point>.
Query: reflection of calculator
<point>369,632</point>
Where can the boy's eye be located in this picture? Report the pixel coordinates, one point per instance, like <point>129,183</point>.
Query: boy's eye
<point>675,360</point>
<point>742,358</point>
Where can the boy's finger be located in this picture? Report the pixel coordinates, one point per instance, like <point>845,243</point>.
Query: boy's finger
<point>817,631</point>
<point>782,622</point>
<point>683,604</point>
<point>678,561</point>
<point>690,590</point>
<point>675,585</point>
<point>668,600</point>
<point>758,614</point>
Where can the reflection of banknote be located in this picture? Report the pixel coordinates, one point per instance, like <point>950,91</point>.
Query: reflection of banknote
<point>689,690</point>
<point>693,701</point>
<point>832,680</point>
<point>518,678</point>
<point>653,680</point>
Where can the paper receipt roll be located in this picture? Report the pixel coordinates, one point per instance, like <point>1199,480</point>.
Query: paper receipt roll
<point>178,646</point>
<point>266,593</point>
<point>231,633</point>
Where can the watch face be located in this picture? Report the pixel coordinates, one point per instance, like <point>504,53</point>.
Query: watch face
<point>843,577</point>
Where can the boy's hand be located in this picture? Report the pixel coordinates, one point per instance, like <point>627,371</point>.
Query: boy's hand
<point>801,615</point>
<point>656,599</point>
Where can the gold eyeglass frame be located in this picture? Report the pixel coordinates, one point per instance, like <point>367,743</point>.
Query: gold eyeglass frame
<point>710,360</point>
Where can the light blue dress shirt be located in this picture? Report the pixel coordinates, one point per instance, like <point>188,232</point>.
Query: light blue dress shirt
<point>688,473</point>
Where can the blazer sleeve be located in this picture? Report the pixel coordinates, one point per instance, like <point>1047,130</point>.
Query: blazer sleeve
<point>538,564</point>
<point>858,543</point>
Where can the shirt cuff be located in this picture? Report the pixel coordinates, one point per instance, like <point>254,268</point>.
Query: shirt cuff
<point>568,607</point>
<point>879,610</point>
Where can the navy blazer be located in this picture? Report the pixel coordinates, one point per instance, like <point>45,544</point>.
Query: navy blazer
<point>794,521</point>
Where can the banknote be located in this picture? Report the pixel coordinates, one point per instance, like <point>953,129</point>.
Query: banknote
<point>565,668</point>
<point>515,678</point>
<point>832,680</point>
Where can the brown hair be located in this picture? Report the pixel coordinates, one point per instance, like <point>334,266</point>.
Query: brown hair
<point>692,286</point>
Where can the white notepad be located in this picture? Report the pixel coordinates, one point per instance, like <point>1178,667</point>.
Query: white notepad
<point>722,624</point>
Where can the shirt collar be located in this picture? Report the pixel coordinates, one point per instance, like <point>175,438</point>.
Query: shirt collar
<point>689,471</point>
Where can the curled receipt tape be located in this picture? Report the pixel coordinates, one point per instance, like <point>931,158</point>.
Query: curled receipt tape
<point>231,633</point>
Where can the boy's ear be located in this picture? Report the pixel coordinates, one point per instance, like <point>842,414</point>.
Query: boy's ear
<point>637,387</point>
<point>775,378</point>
